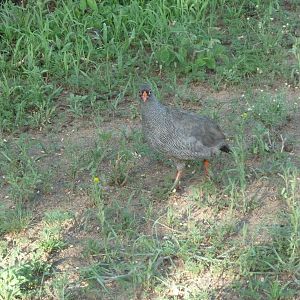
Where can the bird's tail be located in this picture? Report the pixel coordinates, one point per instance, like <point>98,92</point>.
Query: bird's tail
<point>225,148</point>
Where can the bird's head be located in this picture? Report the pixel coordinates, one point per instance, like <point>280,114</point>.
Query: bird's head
<point>145,92</point>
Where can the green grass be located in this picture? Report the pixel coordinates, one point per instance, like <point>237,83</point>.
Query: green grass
<point>104,51</point>
<point>51,236</point>
<point>86,210</point>
<point>21,277</point>
<point>14,220</point>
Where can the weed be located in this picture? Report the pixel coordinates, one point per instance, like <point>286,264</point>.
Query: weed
<point>123,221</point>
<point>206,194</point>
<point>14,220</point>
<point>270,111</point>
<point>75,156</point>
<point>51,239</point>
<point>51,236</point>
<point>262,143</point>
<point>122,164</point>
<point>295,73</point>
<point>19,277</point>
<point>99,152</point>
<point>133,112</point>
<point>20,169</point>
<point>290,192</point>
<point>265,287</point>
<point>97,195</point>
<point>59,287</point>
<point>140,147</point>
<point>280,255</point>
<point>92,248</point>
<point>29,104</point>
<point>57,217</point>
<point>238,177</point>
<point>3,248</point>
<point>76,104</point>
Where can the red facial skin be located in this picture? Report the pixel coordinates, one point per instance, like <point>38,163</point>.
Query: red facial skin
<point>145,96</point>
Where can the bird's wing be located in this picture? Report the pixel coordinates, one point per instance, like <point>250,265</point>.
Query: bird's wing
<point>197,130</point>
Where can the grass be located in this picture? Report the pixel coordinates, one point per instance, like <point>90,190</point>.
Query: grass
<point>51,236</point>
<point>14,220</point>
<point>86,211</point>
<point>42,54</point>
<point>21,277</point>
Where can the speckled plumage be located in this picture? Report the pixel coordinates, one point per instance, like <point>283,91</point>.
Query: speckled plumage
<point>179,134</point>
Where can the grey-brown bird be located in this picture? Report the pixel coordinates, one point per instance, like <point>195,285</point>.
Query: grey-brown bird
<point>179,135</point>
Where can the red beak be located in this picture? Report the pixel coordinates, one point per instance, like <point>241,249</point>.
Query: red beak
<point>145,96</point>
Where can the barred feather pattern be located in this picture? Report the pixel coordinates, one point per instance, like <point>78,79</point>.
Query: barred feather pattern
<point>179,134</point>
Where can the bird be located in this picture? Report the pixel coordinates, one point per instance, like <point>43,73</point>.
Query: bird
<point>178,134</point>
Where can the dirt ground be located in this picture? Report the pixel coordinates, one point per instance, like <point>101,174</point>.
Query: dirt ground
<point>146,175</point>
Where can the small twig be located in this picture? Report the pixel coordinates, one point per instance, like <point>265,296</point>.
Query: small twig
<point>270,141</point>
<point>282,143</point>
<point>116,277</point>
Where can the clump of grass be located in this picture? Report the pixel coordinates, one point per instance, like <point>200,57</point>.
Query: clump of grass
<point>266,112</point>
<point>52,233</point>
<point>262,116</point>
<point>290,192</point>
<point>262,142</point>
<point>59,287</point>
<point>122,164</point>
<point>20,169</point>
<point>236,175</point>
<point>295,73</point>
<point>14,219</point>
<point>92,248</point>
<point>20,277</point>
<point>76,104</point>
<point>264,263</point>
<point>99,152</point>
<point>51,239</point>
<point>97,195</point>
<point>28,102</point>
<point>271,111</point>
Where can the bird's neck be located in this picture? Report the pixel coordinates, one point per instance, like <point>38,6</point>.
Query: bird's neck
<point>153,112</point>
<point>153,105</point>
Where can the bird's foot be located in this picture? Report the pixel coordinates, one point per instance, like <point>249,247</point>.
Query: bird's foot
<point>176,185</point>
<point>206,168</point>
<point>175,189</point>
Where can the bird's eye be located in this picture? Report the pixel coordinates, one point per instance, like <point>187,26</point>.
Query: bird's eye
<point>149,93</point>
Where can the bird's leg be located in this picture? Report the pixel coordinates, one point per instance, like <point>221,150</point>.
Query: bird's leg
<point>177,178</point>
<point>180,166</point>
<point>176,181</point>
<point>206,166</point>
